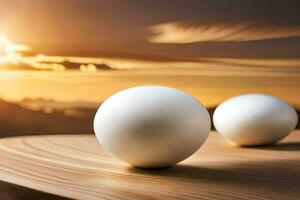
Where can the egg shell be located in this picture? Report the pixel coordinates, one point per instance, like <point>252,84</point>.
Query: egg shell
<point>255,119</point>
<point>152,126</point>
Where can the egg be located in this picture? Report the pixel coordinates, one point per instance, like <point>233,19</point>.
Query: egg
<point>152,126</point>
<point>255,119</point>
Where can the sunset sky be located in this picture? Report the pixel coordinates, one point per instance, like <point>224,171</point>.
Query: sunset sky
<point>220,48</point>
<point>174,29</point>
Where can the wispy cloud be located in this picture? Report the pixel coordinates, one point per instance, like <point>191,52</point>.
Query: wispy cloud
<point>187,32</point>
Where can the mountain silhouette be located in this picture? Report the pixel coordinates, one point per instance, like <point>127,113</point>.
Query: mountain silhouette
<point>17,120</point>
<point>41,116</point>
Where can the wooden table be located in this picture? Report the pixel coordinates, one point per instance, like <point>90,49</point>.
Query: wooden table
<point>75,166</point>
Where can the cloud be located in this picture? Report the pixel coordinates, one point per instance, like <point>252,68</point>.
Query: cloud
<point>54,63</point>
<point>12,57</point>
<point>187,32</point>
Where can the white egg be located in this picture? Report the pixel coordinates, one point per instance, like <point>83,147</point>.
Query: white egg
<point>152,126</point>
<point>255,119</point>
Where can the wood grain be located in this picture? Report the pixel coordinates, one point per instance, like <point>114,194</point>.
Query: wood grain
<point>76,166</point>
<point>9,191</point>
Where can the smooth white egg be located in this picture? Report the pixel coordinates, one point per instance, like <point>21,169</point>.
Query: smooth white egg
<point>255,119</point>
<point>152,126</point>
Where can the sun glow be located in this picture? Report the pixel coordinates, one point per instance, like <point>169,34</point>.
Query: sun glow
<point>9,48</point>
<point>9,52</point>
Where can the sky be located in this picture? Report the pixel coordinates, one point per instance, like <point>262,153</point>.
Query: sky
<point>155,30</point>
<point>213,49</point>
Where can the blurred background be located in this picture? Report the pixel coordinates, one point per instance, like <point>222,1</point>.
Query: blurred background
<point>59,59</point>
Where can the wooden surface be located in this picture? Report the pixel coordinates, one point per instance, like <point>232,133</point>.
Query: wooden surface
<point>76,167</point>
